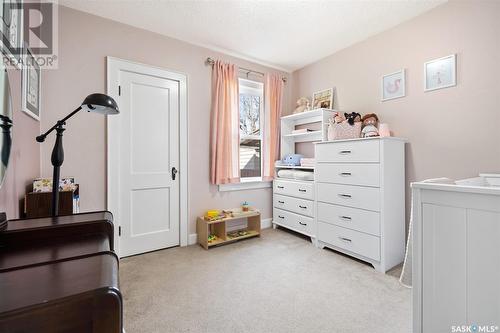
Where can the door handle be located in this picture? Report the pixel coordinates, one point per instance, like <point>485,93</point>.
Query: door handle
<point>344,152</point>
<point>345,239</point>
<point>345,174</point>
<point>174,172</point>
<point>302,223</point>
<point>281,202</point>
<point>347,196</point>
<point>303,207</point>
<point>302,190</point>
<point>345,218</point>
<point>281,187</point>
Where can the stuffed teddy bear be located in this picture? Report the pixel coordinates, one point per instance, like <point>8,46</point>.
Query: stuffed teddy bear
<point>352,117</point>
<point>370,124</point>
<point>302,105</point>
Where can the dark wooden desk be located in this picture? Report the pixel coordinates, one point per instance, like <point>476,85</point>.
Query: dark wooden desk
<point>60,275</point>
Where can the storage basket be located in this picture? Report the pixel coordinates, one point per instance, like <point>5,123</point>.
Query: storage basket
<point>344,131</point>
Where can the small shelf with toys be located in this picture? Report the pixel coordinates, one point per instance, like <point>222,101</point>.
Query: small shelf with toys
<point>212,228</point>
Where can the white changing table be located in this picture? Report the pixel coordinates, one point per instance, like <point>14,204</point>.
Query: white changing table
<point>456,255</point>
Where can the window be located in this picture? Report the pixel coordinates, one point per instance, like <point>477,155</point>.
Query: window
<point>251,124</point>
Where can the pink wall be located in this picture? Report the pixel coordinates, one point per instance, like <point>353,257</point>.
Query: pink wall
<point>452,132</point>
<point>24,164</point>
<point>84,42</point>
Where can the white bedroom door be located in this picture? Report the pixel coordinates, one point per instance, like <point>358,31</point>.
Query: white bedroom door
<point>148,161</point>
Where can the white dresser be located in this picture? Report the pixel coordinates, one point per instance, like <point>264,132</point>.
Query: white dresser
<point>456,256</point>
<point>360,199</point>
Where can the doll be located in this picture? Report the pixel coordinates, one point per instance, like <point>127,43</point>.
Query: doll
<point>370,124</point>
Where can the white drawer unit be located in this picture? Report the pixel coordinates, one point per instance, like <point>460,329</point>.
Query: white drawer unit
<point>349,240</point>
<point>349,151</point>
<point>352,218</point>
<point>360,199</point>
<point>297,189</point>
<point>296,205</point>
<point>295,222</point>
<point>350,195</point>
<point>349,173</point>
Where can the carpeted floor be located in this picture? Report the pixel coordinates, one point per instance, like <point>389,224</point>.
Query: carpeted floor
<point>276,283</point>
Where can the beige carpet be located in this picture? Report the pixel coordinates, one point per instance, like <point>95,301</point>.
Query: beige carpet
<point>278,283</point>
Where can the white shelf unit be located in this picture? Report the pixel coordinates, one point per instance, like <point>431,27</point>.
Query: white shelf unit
<point>293,200</point>
<point>289,123</point>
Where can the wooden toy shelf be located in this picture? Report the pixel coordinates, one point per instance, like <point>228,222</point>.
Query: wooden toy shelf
<point>219,228</point>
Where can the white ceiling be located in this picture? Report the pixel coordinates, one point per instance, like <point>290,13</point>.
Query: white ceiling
<point>287,35</point>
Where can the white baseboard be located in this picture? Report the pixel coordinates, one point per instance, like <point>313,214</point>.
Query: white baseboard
<point>264,224</point>
<point>192,239</point>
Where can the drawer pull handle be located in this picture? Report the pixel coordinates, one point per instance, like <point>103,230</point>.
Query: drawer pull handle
<point>302,190</point>
<point>345,239</point>
<point>303,207</point>
<point>344,152</point>
<point>345,196</point>
<point>345,174</point>
<point>281,217</point>
<point>281,202</point>
<point>346,218</point>
<point>281,187</point>
<point>302,223</point>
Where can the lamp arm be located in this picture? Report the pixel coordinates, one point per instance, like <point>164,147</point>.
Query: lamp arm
<point>41,138</point>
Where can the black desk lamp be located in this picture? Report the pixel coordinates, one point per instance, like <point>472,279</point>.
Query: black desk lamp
<point>98,103</point>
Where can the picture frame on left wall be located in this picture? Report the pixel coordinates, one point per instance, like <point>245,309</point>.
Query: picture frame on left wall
<point>11,31</point>
<point>31,85</point>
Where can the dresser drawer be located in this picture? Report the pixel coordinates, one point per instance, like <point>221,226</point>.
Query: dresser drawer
<point>348,151</point>
<point>346,173</point>
<point>353,241</point>
<point>294,221</point>
<point>301,206</point>
<point>352,218</point>
<point>348,195</point>
<point>294,189</point>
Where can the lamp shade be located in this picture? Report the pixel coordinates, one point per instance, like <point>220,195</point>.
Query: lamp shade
<point>100,103</point>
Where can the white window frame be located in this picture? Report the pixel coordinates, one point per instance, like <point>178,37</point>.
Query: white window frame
<point>251,87</point>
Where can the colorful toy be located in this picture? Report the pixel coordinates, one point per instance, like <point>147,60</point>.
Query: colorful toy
<point>212,238</point>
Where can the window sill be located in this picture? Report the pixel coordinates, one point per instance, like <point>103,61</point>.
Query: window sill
<point>245,185</point>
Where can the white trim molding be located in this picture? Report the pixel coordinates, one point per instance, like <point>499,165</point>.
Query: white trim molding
<point>114,65</point>
<point>245,185</point>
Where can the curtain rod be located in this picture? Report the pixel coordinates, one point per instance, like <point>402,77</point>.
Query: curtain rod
<point>211,62</point>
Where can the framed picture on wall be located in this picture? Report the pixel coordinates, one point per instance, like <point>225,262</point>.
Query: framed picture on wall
<point>440,73</point>
<point>394,85</point>
<point>11,28</point>
<point>31,85</point>
<point>323,99</point>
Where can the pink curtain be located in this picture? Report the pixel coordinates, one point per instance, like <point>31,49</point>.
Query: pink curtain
<point>271,147</point>
<point>224,125</point>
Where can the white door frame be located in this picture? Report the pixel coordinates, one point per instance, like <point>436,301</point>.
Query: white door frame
<point>114,65</point>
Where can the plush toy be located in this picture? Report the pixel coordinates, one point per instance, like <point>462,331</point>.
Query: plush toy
<point>352,117</point>
<point>292,159</point>
<point>302,105</point>
<point>370,123</point>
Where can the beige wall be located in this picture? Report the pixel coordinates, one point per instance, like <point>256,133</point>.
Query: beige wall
<point>452,132</point>
<point>24,163</point>
<point>84,42</point>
